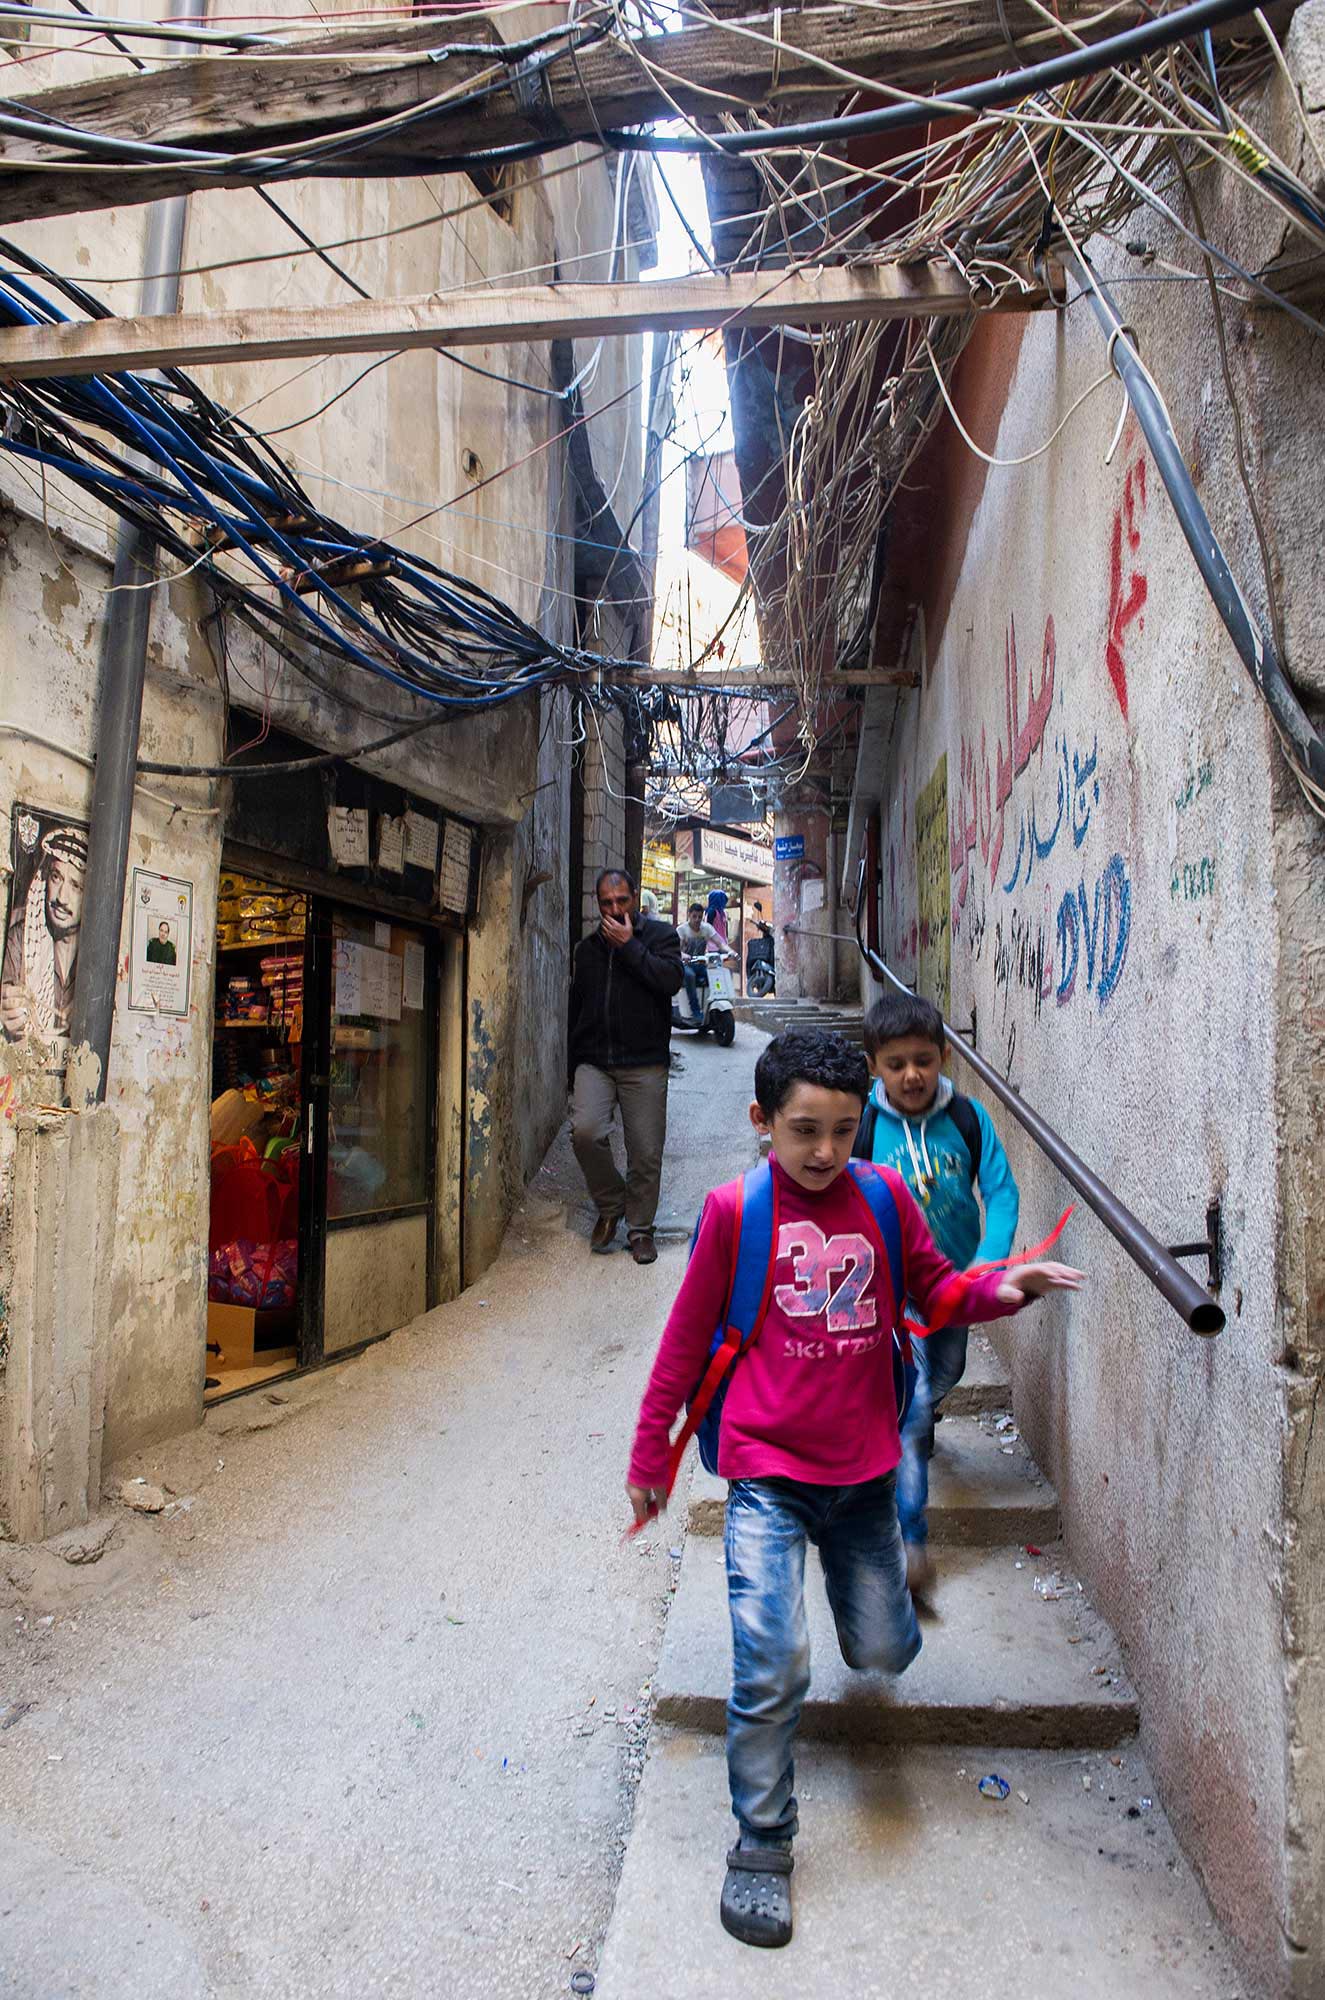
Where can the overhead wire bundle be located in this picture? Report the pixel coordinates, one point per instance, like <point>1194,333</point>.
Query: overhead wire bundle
<point>990,194</point>
<point>211,492</point>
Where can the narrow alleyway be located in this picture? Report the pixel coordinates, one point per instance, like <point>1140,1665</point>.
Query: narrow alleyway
<point>359,1715</point>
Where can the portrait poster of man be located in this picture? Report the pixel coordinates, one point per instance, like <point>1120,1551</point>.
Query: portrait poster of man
<point>49,856</point>
<point>160,944</point>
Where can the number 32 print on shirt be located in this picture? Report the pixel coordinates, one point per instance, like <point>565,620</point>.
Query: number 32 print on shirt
<point>831,1275</point>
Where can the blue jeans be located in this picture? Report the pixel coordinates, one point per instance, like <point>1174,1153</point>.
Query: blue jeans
<point>769,1522</point>
<point>940,1364</point>
<point>692,979</point>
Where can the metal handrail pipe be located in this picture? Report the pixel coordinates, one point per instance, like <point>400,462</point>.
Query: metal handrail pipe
<point>1189,1300</point>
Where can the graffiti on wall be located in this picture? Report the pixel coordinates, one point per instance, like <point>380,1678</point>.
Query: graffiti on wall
<point>1022,817</point>
<point>1092,933</point>
<point>934,954</point>
<point>986,789</point>
<point>1128,587</point>
<point>1193,881</point>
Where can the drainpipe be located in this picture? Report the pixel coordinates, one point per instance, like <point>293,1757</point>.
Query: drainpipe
<point>120,703</point>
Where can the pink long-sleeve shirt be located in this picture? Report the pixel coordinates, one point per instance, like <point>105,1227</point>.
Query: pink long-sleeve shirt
<point>813,1399</point>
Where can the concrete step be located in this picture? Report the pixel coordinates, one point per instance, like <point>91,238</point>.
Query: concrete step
<point>1001,1663</point>
<point>984,1386</point>
<point>981,1490</point>
<point>908,1882</point>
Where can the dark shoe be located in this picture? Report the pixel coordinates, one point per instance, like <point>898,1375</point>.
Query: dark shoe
<point>756,1895</point>
<point>603,1231</point>
<point>920,1571</point>
<point>643,1248</point>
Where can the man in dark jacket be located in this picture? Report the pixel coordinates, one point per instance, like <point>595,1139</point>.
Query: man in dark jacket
<point>620,1026</point>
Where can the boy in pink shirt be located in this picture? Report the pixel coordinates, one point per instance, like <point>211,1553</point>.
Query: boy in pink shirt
<point>809,1439</point>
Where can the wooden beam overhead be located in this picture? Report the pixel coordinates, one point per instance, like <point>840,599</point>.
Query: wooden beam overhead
<point>492,317</point>
<point>765,680</point>
<point>305,93</point>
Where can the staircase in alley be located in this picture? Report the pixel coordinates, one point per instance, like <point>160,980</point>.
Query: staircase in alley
<point>773,1015</point>
<point>984,1824</point>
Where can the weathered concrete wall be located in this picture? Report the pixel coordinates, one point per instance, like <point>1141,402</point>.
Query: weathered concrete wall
<point>463,469</point>
<point>52,1426</point>
<point>51,602</point>
<point>1130,896</point>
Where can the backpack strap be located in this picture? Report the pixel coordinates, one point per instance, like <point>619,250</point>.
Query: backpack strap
<point>878,1197</point>
<point>748,1291</point>
<point>869,1118</point>
<point>967,1120</point>
<point>752,1256</point>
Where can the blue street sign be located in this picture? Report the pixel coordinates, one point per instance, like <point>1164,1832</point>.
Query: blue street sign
<point>789,847</point>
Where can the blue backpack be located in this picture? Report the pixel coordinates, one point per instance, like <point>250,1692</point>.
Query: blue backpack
<point>751,1284</point>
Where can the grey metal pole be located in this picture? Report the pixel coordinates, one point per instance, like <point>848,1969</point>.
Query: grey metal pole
<point>120,700</point>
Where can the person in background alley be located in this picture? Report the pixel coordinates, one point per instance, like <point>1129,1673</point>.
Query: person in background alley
<point>716,913</point>
<point>698,937</point>
<point>808,1435</point>
<point>943,1145</point>
<point>620,1026</point>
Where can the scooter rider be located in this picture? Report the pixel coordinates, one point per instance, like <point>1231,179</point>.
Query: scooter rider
<point>698,938</point>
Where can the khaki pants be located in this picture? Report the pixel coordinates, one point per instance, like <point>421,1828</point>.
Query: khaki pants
<point>642,1097</point>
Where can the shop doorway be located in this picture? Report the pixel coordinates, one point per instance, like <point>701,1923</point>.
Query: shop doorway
<point>321,1227</point>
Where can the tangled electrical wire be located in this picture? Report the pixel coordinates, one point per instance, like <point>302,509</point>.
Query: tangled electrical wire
<point>994,196</point>
<point>210,492</point>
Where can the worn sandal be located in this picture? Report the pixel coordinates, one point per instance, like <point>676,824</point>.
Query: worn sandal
<point>756,1896</point>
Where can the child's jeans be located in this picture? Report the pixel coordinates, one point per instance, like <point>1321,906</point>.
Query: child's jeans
<point>769,1522</point>
<point>940,1363</point>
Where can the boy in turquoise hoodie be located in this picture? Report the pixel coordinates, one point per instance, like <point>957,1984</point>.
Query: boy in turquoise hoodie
<point>943,1145</point>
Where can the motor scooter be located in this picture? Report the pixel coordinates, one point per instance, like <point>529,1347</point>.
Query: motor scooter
<point>759,972</point>
<point>717,1001</point>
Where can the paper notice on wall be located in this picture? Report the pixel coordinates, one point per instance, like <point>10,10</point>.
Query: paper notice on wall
<point>812,894</point>
<point>421,841</point>
<point>347,835</point>
<point>348,978</point>
<point>457,853</point>
<point>382,935</point>
<point>379,974</point>
<point>161,944</point>
<point>390,844</point>
<point>414,963</point>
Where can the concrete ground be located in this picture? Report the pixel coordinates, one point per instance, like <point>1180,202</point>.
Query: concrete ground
<point>362,1712</point>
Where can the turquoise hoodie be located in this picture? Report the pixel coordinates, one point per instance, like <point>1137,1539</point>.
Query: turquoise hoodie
<point>931,1156</point>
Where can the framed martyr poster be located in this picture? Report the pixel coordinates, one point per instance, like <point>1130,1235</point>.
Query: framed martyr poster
<point>160,944</point>
<point>49,857</point>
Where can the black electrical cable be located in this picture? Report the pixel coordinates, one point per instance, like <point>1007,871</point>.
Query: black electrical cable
<point>1160,32</point>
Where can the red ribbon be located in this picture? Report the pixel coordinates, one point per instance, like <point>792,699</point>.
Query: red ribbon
<point>955,1290</point>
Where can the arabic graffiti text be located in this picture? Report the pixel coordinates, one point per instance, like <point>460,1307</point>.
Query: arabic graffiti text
<point>1128,587</point>
<point>1022,958</point>
<point>1193,881</point>
<point>1093,934</point>
<point>979,817</point>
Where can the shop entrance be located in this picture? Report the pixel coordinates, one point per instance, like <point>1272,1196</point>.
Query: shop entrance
<point>323,1130</point>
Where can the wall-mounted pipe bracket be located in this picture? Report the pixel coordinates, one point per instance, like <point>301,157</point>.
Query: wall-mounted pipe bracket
<point>1211,1247</point>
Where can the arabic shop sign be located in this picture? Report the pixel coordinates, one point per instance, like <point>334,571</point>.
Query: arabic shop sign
<point>728,855</point>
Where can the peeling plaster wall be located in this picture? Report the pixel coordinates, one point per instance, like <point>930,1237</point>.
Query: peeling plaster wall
<point>1131,902</point>
<point>51,603</point>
